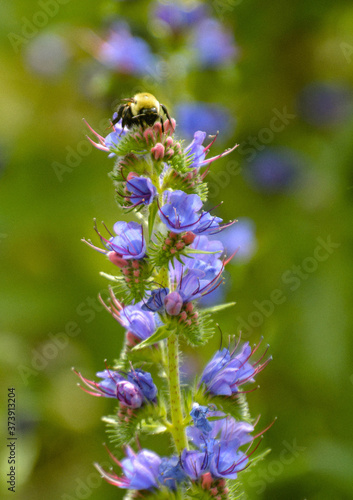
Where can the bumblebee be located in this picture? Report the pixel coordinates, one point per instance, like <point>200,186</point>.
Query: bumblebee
<point>142,109</point>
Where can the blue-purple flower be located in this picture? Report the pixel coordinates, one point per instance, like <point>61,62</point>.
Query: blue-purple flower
<point>228,370</point>
<point>131,392</point>
<point>180,214</point>
<point>142,324</point>
<point>195,463</point>
<point>192,283</point>
<point>142,190</point>
<point>218,442</point>
<point>129,242</point>
<point>195,150</point>
<point>227,461</point>
<point>140,470</point>
<point>111,141</point>
<point>145,383</point>
<point>155,301</point>
<point>171,472</point>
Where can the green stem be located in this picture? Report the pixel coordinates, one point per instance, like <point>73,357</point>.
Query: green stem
<point>177,429</point>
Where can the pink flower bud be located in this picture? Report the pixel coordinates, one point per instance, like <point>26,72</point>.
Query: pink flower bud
<point>170,152</point>
<point>207,481</point>
<point>169,141</point>
<point>180,245</point>
<point>135,264</point>
<point>169,127</point>
<point>189,307</point>
<point>131,339</point>
<point>157,127</point>
<point>148,134</point>
<point>117,260</point>
<point>173,303</point>
<point>188,238</point>
<point>158,151</point>
<point>183,316</point>
<point>131,175</point>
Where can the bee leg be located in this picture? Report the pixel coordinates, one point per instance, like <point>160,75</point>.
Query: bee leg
<point>161,120</point>
<point>126,115</point>
<point>166,113</point>
<point>119,114</point>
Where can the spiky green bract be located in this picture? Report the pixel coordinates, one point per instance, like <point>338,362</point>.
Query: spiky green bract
<point>160,494</point>
<point>190,182</point>
<point>164,248</point>
<point>130,286</point>
<point>195,326</point>
<point>144,358</point>
<point>236,490</point>
<point>125,424</point>
<point>131,143</point>
<point>141,165</point>
<point>196,492</point>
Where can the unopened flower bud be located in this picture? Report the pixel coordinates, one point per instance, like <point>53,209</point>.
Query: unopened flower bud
<point>129,394</point>
<point>207,481</point>
<point>158,151</point>
<point>169,126</point>
<point>173,303</point>
<point>188,238</point>
<point>117,260</point>
<point>131,175</point>
<point>131,339</point>
<point>148,134</point>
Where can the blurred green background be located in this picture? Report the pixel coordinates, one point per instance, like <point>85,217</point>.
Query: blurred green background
<point>280,85</point>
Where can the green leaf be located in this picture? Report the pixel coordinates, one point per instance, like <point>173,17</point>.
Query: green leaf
<point>151,218</point>
<point>218,308</point>
<point>160,334</point>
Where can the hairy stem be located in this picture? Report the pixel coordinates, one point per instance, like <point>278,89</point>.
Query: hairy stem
<point>177,429</point>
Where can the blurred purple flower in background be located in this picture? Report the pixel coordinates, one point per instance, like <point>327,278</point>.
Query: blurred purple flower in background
<point>325,104</point>
<point>211,118</point>
<point>178,15</point>
<point>275,170</point>
<point>126,53</point>
<point>47,55</point>
<point>240,236</point>
<point>213,43</point>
